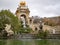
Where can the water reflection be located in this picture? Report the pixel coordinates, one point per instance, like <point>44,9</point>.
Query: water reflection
<point>2,42</point>
<point>30,42</point>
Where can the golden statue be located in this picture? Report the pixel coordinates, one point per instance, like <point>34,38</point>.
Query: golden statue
<point>22,3</point>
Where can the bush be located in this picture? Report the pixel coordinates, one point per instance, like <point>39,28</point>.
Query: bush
<point>42,34</point>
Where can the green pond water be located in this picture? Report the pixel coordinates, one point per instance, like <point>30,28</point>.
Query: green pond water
<point>30,42</point>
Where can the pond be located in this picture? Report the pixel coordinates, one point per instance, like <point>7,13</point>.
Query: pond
<point>30,42</point>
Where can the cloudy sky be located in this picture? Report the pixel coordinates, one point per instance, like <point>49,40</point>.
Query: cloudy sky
<point>42,8</point>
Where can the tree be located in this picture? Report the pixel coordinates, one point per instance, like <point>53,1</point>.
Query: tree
<point>6,17</point>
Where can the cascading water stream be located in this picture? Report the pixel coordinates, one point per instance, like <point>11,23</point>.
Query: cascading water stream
<point>24,22</point>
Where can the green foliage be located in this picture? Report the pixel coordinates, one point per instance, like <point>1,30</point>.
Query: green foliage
<point>42,34</point>
<point>46,33</point>
<point>6,17</point>
<point>25,30</point>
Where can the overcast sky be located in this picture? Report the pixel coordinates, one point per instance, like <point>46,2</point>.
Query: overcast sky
<point>42,8</point>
